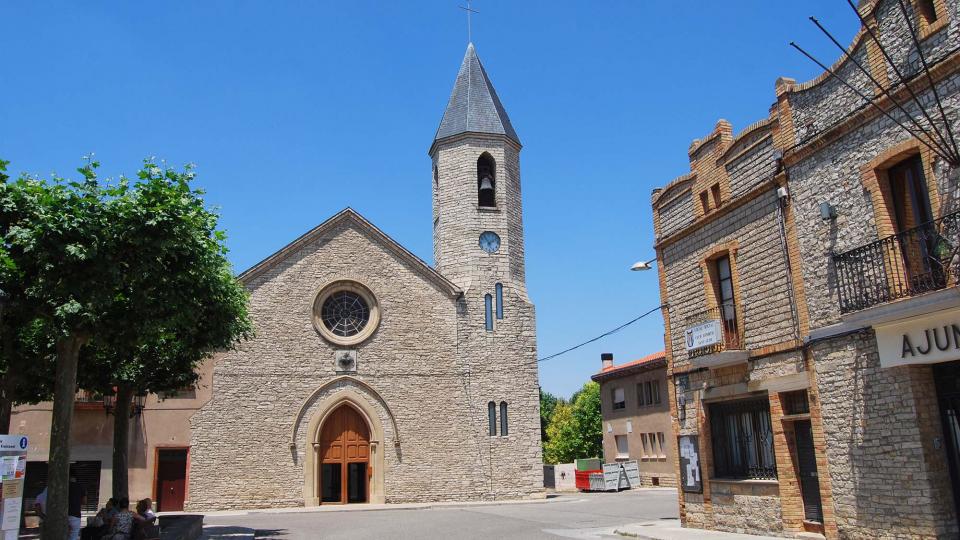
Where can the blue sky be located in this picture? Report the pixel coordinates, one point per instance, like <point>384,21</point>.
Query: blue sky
<point>294,110</point>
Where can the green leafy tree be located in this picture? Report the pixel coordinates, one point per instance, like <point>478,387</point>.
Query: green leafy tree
<point>548,403</point>
<point>561,446</point>
<point>204,307</point>
<point>114,263</point>
<point>56,247</point>
<point>586,413</point>
<point>575,429</point>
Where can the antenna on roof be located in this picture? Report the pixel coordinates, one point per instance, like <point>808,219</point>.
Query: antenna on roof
<point>940,140</point>
<point>469,11</point>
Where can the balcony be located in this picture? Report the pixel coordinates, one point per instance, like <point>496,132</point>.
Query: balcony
<point>713,337</point>
<point>87,399</point>
<point>909,263</point>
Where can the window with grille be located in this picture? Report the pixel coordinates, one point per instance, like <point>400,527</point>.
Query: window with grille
<point>742,438</point>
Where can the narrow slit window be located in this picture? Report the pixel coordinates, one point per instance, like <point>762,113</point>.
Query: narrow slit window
<point>504,428</point>
<point>499,301</point>
<point>649,392</point>
<point>488,312</point>
<point>715,193</point>
<point>492,418</point>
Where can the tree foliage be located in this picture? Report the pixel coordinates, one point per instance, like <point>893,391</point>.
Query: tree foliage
<point>136,270</point>
<point>575,429</point>
<point>548,403</point>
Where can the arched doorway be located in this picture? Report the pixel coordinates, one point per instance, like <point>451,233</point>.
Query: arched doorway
<point>344,457</point>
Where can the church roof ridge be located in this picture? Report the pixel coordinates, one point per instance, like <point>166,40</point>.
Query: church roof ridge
<point>474,106</point>
<point>348,213</point>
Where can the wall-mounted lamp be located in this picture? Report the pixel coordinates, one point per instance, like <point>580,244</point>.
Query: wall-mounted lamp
<point>827,211</point>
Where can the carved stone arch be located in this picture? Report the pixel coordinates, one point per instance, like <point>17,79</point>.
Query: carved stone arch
<point>351,392</point>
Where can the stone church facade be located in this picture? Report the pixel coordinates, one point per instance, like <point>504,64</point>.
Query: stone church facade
<point>374,377</point>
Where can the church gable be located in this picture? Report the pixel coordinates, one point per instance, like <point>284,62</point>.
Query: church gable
<point>346,219</point>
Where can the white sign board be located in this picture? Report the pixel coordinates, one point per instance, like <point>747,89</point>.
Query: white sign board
<point>13,466</point>
<point>927,339</point>
<point>704,334</point>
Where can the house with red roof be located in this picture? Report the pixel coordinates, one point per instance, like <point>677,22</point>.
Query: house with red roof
<point>636,416</point>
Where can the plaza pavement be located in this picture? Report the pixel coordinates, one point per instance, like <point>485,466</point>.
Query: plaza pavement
<point>645,513</point>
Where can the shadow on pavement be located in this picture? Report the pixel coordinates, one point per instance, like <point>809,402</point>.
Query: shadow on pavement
<point>226,533</point>
<point>269,533</point>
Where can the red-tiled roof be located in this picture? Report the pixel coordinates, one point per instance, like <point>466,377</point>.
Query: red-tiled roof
<point>650,358</point>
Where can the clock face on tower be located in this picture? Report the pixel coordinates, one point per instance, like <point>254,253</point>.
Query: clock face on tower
<point>489,241</point>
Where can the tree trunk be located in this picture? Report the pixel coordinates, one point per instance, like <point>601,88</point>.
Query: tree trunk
<point>8,385</point>
<point>55,527</point>
<point>121,440</point>
<point>6,410</point>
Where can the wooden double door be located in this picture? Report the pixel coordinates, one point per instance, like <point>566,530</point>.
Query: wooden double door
<point>344,457</point>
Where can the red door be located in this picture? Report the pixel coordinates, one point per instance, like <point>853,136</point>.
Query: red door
<point>171,479</point>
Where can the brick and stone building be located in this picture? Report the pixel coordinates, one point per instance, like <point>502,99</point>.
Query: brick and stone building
<point>636,416</point>
<point>809,268</point>
<point>375,377</point>
<point>159,432</point>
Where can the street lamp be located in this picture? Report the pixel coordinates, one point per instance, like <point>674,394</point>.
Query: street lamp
<point>643,265</point>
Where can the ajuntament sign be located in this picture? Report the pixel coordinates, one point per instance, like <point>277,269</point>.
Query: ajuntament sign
<point>928,339</point>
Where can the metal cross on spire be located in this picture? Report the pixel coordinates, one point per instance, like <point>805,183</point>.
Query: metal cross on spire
<point>469,9</point>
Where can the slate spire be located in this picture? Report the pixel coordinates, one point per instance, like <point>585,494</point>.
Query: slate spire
<point>474,106</point>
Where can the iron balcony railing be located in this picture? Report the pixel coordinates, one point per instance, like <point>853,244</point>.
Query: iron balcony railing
<point>88,399</point>
<point>912,262</point>
<point>724,322</point>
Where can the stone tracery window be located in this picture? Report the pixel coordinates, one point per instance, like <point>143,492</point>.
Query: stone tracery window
<point>345,313</point>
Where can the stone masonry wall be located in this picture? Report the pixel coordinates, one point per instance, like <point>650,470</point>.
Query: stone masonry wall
<point>415,361</point>
<point>676,213</point>
<point>834,175</point>
<point>752,233</point>
<point>886,484</point>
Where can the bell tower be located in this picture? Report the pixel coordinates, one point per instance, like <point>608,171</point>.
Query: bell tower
<point>478,245</point>
<point>477,211</point>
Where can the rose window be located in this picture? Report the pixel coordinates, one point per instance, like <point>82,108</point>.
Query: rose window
<point>345,313</point>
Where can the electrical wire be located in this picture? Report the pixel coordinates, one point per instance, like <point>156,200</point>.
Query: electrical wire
<point>601,336</point>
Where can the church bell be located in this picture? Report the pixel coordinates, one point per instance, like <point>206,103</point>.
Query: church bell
<point>486,184</point>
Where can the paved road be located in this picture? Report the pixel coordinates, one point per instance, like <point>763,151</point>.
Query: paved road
<point>579,515</point>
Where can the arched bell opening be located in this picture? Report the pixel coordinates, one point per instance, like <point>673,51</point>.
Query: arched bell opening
<point>486,181</point>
